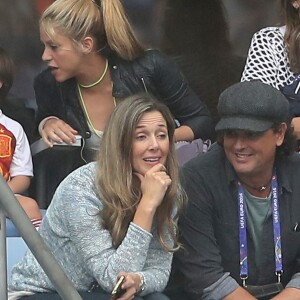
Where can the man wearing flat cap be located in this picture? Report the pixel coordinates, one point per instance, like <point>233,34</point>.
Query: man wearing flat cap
<point>241,228</point>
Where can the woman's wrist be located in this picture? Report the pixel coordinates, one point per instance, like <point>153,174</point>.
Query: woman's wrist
<point>141,287</point>
<point>43,122</point>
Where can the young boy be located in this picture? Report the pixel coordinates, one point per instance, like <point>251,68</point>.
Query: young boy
<point>15,156</point>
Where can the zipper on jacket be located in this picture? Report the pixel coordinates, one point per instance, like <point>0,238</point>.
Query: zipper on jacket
<point>145,88</point>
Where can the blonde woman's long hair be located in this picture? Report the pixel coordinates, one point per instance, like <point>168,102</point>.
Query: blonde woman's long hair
<point>104,20</point>
<point>292,34</point>
<point>119,189</point>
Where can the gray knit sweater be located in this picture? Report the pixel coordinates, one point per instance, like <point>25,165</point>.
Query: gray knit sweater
<point>73,232</point>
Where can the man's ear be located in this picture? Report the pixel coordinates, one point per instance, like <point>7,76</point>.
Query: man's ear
<point>281,133</point>
<point>87,45</point>
<point>1,84</point>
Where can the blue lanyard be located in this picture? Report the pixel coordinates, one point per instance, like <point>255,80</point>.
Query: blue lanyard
<point>242,212</point>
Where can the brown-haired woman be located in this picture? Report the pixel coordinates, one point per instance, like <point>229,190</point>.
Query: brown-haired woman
<point>116,216</point>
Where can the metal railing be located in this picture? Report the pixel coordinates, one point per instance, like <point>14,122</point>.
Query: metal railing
<point>10,205</point>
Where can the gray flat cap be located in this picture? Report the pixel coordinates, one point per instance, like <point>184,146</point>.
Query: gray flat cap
<point>251,105</point>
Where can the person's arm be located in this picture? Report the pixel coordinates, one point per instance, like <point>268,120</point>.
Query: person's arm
<point>296,126</point>
<point>225,288</point>
<point>21,168</point>
<point>239,294</point>
<point>42,123</point>
<point>47,98</point>
<point>288,293</point>
<point>292,289</point>
<point>201,253</point>
<point>184,133</point>
<point>262,56</point>
<point>154,185</point>
<point>50,123</point>
<point>56,130</point>
<point>183,103</point>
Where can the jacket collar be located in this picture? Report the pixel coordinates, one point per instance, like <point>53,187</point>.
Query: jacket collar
<point>282,173</point>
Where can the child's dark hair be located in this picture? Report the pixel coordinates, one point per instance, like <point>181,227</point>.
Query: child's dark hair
<point>6,73</point>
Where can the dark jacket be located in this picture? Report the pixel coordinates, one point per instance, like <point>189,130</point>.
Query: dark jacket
<point>153,73</point>
<point>210,231</point>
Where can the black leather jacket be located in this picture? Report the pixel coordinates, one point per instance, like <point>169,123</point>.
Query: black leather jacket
<point>154,73</point>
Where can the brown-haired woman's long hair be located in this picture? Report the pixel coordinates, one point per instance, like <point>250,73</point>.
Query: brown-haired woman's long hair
<point>105,20</point>
<point>119,188</point>
<point>292,34</point>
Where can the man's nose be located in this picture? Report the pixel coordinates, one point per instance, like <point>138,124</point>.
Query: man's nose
<point>239,142</point>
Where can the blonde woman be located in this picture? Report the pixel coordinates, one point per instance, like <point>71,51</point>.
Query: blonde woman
<point>94,60</point>
<point>116,216</point>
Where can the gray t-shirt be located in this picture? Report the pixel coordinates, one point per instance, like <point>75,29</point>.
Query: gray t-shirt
<point>258,210</point>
